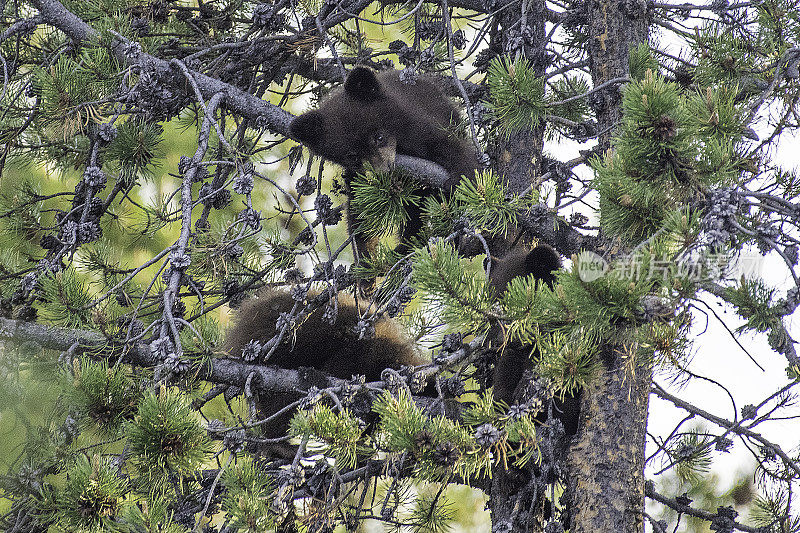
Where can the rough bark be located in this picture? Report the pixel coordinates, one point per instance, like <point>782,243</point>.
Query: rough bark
<point>605,465</point>
<point>517,158</point>
<point>614,26</point>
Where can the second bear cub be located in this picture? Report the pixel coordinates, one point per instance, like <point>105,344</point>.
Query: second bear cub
<point>542,263</point>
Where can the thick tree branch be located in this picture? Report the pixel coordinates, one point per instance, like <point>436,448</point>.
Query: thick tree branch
<point>220,371</point>
<point>553,230</point>
<point>240,102</point>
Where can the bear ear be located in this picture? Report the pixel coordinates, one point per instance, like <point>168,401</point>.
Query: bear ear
<point>542,262</point>
<point>308,128</point>
<point>363,85</point>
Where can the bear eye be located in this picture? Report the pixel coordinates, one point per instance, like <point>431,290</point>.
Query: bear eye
<point>380,139</point>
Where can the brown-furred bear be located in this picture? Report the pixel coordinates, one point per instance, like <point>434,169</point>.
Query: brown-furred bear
<point>336,349</point>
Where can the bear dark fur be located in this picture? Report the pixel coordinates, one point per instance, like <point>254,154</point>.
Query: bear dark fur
<point>331,348</point>
<point>419,118</point>
<point>375,116</point>
<point>542,263</point>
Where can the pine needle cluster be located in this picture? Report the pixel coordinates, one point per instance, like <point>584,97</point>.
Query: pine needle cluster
<point>166,438</point>
<point>247,500</point>
<point>92,496</point>
<point>440,447</point>
<point>670,145</point>
<point>106,395</point>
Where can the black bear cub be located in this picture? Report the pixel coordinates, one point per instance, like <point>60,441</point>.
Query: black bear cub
<point>375,116</point>
<point>354,123</point>
<point>542,263</point>
<point>335,349</point>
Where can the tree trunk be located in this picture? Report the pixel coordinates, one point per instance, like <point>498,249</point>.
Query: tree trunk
<point>518,158</point>
<point>614,28</point>
<point>605,464</point>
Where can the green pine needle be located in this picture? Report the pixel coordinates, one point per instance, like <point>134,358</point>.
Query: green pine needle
<point>517,95</point>
<point>463,296</point>
<point>92,495</point>
<point>136,149</point>
<point>381,199</point>
<point>485,203</point>
<point>248,496</point>
<point>65,300</point>
<point>107,396</point>
<point>166,435</point>
<point>340,431</point>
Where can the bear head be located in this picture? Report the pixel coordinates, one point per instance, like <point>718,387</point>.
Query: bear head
<point>348,127</point>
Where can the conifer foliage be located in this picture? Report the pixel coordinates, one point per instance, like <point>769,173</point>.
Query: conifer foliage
<point>148,185</point>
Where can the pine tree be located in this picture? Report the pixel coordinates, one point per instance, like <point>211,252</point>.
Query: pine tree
<point>149,188</point>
